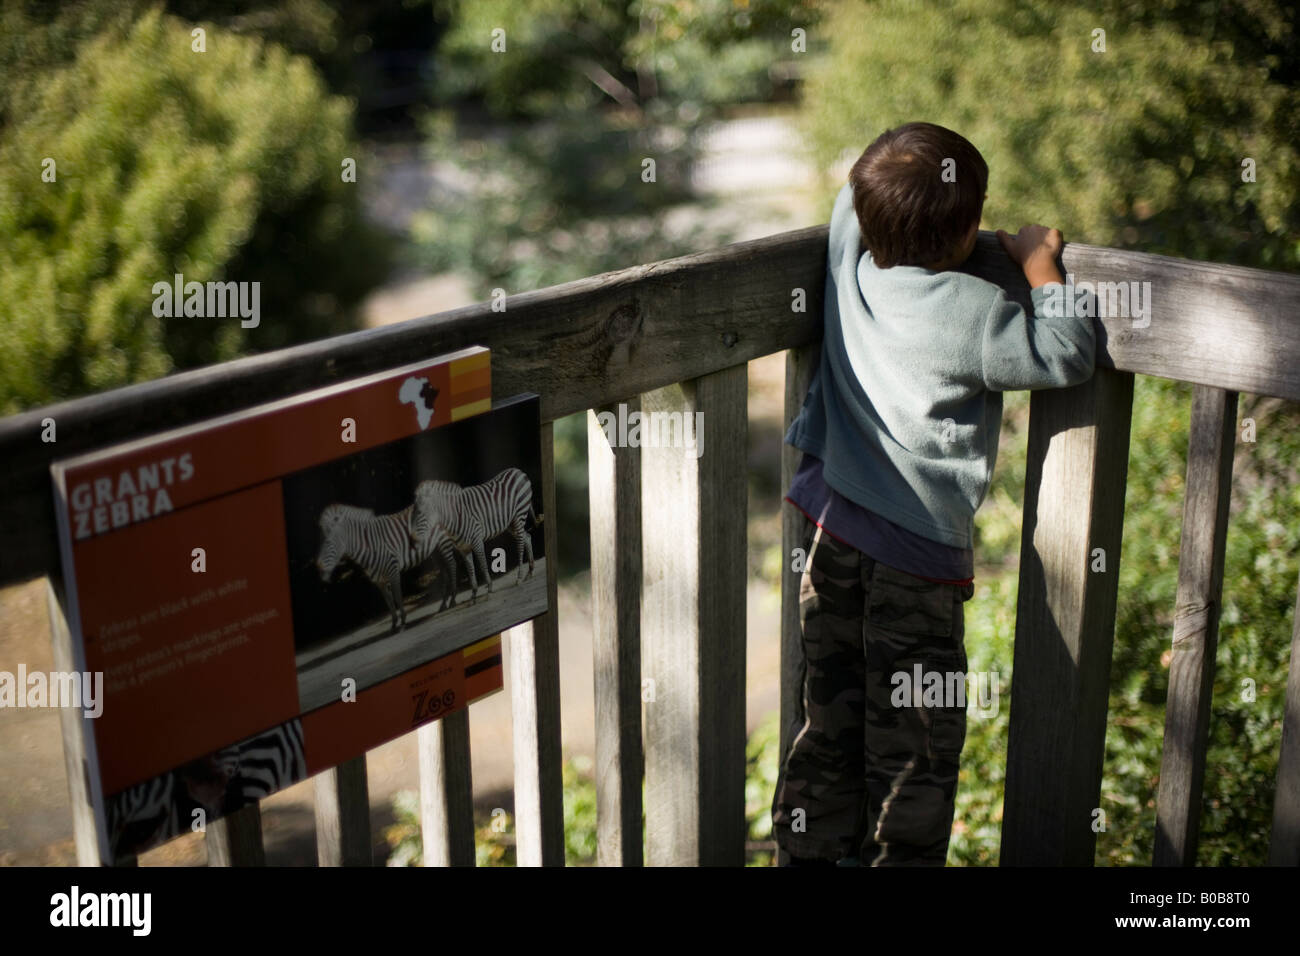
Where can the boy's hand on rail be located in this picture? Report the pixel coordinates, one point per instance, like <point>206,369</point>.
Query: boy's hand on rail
<point>1035,248</point>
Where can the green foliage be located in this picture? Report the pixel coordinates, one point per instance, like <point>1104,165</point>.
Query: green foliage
<point>591,91</point>
<point>579,811</point>
<point>223,165</point>
<point>563,200</point>
<point>1114,148</point>
<point>494,842</point>
<point>403,836</point>
<point>494,846</point>
<point>762,765</point>
<point>656,56</point>
<point>1260,571</point>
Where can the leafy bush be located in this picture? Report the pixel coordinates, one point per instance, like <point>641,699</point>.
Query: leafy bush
<point>1140,146</point>
<point>220,165</point>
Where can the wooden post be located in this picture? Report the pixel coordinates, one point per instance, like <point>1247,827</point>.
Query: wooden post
<point>614,485</point>
<point>693,625</point>
<point>800,364</point>
<point>1284,842</point>
<point>343,815</point>
<point>236,839</point>
<point>72,726</point>
<point>1065,619</point>
<point>533,649</point>
<point>447,791</point>
<point>1196,624</point>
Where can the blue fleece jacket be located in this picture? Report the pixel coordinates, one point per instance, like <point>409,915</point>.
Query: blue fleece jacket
<point>906,404</point>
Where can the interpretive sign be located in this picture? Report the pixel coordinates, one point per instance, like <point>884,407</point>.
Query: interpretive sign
<point>273,592</point>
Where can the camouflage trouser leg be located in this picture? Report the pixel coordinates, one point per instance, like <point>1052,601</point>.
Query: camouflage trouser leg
<point>819,794</point>
<point>913,743</point>
<point>871,779</point>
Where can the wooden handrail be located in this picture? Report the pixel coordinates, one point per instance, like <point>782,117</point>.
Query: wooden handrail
<point>602,339</point>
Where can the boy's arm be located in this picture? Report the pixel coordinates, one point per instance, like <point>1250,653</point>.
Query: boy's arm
<point>1023,351</point>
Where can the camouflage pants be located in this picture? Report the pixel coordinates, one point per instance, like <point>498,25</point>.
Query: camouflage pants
<point>873,780</point>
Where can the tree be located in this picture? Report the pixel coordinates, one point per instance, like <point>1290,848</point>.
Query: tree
<point>218,165</point>
<point>1125,127</point>
<point>595,109</point>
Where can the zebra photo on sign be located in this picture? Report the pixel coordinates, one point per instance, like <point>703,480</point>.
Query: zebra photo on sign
<point>382,546</point>
<point>404,552</point>
<point>220,783</point>
<point>471,516</point>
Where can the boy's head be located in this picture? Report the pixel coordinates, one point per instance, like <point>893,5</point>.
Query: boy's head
<point>910,213</point>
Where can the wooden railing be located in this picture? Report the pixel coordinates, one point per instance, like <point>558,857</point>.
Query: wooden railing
<point>668,543</point>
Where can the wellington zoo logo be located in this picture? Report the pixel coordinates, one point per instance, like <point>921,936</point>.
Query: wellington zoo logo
<point>209,300</point>
<point>653,430</point>
<point>1103,300</point>
<point>84,691</point>
<point>922,688</point>
<point>420,395</point>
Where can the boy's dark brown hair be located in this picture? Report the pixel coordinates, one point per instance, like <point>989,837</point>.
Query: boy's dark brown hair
<point>908,214</point>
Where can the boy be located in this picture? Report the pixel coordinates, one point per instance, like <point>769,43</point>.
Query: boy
<point>900,434</point>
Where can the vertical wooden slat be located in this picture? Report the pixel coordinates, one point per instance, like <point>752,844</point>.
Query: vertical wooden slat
<point>343,815</point>
<point>236,839</point>
<point>1284,841</point>
<point>614,482</point>
<point>800,364</point>
<point>1065,619</point>
<point>693,626</point>
<point>71,725</point>
<point>1196,624</point>
<point>533,650</point>
<point>446,792</point>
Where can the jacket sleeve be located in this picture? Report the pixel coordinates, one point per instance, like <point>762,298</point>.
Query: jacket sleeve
<point>1023,351</point>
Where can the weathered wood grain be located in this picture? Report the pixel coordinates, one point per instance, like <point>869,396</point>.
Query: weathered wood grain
<point>533,652</point>
<point>1196,624</point>
<point>446,792</point>
<point>236,839</point>
<point>693,627</point>
<point>614,492</point>
<point>1284,841</point>
<point>800,364</point>
<point>599,339</point>
<point>343,815</point>
<point>84,834</point>
<point>1065,619</point>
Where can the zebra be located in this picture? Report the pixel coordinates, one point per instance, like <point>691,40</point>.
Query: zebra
<point>382,545</point>
<point>471,516</point>
<point>151,812</point>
